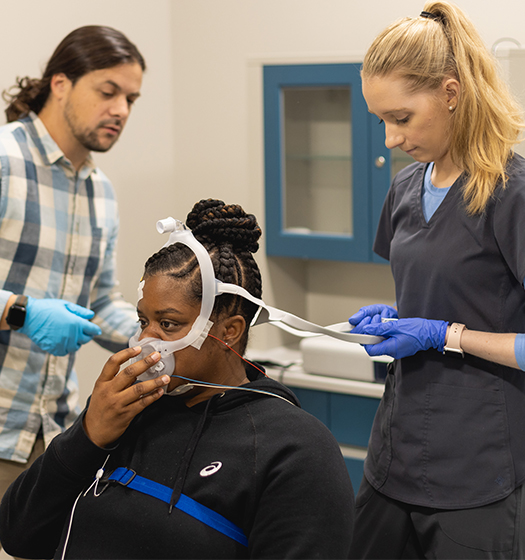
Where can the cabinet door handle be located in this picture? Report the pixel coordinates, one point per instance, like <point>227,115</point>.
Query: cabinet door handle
<point>380,162</point>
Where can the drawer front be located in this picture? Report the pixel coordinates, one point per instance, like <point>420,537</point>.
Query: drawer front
<point>355,470</point>
<point>316,403</point>
<point>351,418</point>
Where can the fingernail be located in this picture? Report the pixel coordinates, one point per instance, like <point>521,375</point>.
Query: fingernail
<point>137,348</point>
<point>156,356</point>
<point>165,379</point>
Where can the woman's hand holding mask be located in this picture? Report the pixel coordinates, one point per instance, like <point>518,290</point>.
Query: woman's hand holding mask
<point>117,398</point>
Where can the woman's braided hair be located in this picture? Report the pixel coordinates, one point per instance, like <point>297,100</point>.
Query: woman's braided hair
<point>230,236</point>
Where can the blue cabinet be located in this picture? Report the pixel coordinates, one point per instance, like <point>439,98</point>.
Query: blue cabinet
<point>349,418</point>
<point>327,169</point>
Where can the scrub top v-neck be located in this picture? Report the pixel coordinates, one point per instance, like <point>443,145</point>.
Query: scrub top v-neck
<point>431,196</point>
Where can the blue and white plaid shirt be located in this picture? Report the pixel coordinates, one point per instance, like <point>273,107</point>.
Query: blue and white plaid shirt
<point>58,230</point>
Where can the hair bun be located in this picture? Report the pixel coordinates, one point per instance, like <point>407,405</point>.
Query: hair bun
<point>216,223</point>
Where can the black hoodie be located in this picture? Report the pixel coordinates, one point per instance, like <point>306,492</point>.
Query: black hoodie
<point>260,462</point>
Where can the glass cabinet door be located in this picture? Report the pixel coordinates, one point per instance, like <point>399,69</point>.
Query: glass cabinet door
<point>316,158</point>
<point>327,170</point>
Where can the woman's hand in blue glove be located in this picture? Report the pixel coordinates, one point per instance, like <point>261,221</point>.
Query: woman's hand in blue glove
<point>58,326</point>
<point>371,314</point>
<point>405,337</point>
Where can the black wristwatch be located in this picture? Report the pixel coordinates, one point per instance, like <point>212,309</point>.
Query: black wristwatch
<point>16,315</point>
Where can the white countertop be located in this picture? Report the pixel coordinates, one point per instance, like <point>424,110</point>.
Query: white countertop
<point>285,365</point>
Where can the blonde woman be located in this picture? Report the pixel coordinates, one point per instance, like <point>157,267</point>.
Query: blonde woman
<point>446,461</point>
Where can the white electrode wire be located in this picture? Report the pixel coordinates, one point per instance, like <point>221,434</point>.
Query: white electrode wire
<point>98,476</point>
<point>70,525</point>
<point>215,385</point>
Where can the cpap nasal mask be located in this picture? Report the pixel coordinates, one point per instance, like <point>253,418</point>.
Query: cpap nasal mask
<point>211,288</point>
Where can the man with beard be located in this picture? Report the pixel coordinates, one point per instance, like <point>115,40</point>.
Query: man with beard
<point>58,230</point>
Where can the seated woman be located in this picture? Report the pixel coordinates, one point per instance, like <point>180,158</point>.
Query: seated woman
<point>213,461</point>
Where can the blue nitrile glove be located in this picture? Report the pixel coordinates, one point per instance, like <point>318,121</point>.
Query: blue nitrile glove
<point>58,326</point>
<point>405,337</point>
<point>371,314</point>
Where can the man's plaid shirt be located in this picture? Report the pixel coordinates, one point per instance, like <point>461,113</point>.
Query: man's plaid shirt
<point>58,230</point>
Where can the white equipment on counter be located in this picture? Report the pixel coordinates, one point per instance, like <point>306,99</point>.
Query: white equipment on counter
<point>324,355</point>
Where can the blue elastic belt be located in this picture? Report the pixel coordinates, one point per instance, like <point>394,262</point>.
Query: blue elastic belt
<point>129,478</point>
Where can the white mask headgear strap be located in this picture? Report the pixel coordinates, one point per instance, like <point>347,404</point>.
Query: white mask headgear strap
<point>200,328</point>
<point>293,324</point>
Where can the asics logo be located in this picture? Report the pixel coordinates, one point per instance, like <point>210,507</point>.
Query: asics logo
<point>211,469</point>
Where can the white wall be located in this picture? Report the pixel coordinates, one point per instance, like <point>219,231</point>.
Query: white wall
<point>197,130</point>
